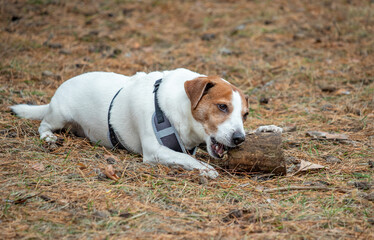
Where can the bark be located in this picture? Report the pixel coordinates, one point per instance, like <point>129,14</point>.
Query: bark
<point>261,152</point>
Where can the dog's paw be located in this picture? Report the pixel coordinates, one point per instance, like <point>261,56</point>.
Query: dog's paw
<point>269,128</point>
<point>49,138</point>
<point>210,173</point>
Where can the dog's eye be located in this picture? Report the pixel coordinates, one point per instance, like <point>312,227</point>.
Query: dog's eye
<point>245,116</point>
<point>222,107</point>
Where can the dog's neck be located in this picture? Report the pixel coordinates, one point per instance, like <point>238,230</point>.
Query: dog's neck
<point>189,130</point>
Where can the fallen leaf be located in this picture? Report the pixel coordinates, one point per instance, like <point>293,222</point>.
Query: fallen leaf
<point>307,166</point>
<point>81,166</point>
<point>110,173</point>
<point>342,92</point>
<point>38,167</point>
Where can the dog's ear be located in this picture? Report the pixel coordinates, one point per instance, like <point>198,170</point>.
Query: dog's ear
<point>196,89</point>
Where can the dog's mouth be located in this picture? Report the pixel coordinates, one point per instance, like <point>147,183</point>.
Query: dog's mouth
<point>218,150</point>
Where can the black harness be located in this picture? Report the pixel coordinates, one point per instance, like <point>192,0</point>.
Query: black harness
<point>112,135</point>
<point>165,132</point>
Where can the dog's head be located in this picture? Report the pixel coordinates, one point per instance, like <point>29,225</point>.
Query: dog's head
<point>221,108</point>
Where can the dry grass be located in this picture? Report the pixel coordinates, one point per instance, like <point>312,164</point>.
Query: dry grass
<point>300,55</point>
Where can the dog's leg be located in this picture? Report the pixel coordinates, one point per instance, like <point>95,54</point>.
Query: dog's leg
<point>51,122</point>
<point>168,157</point>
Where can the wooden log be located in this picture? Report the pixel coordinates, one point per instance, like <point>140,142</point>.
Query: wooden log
<point>261,152</point>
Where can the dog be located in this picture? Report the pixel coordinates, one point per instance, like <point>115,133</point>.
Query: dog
<point>114,110</point>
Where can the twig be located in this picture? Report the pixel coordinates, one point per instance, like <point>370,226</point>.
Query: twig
<point>293,188</point>
<point>106,150</point>
<point>337,28</point>
<point>136,216</point>
<point>83,175</point>
<point>8,163</point>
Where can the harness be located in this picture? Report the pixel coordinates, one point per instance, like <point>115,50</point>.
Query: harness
<point>112,135</point>
<point>164,131</point>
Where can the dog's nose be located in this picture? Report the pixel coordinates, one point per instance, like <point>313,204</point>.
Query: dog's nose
<point>238,138</point>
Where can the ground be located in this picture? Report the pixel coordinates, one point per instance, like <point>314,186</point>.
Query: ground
<point>307,64</point>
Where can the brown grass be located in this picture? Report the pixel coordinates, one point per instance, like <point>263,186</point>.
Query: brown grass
<point>300,55</point>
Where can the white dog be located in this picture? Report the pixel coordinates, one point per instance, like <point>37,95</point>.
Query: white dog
<point>161,121</point>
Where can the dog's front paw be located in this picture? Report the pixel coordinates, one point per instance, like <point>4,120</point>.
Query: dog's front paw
<point>209,172</point>
<point>269,128</point>
<point>48,137</point>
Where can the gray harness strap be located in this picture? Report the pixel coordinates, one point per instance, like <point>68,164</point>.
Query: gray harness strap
<point>165,132</point>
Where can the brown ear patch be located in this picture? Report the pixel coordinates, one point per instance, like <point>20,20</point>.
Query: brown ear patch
<point>196,88</point>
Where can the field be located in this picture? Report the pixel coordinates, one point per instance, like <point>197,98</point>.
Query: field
<point>304,64</point>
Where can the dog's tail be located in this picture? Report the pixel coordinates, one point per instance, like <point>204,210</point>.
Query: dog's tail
<point>35,112</point>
